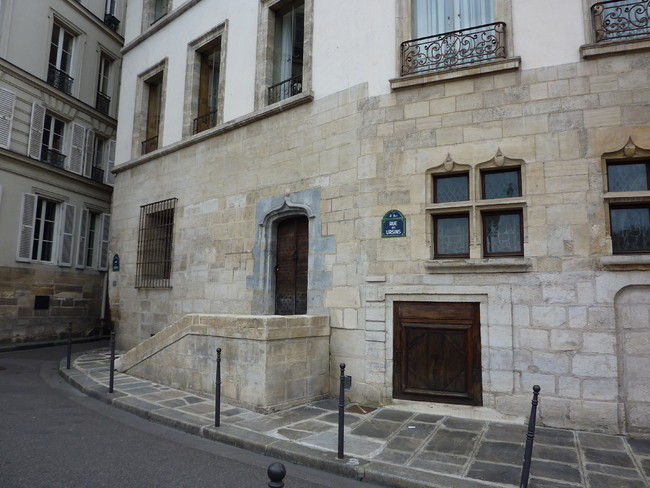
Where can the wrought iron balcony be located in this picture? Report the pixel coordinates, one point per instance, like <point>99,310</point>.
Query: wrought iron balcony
<point>52,157</point>
<point>59,79</point>
<point>97,174</point>
<point>150,145</point>
<point>103,103</point>
<point>285,89</point>
<point>111,21</point>
<point>205,122</point>
<point>454,49</point>
<point>617,19</point>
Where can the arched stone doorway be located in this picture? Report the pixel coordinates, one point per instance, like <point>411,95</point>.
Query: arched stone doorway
<point>291,266</point>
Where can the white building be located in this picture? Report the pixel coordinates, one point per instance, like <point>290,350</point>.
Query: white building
<point>59,83</point>
<point>459,187</point>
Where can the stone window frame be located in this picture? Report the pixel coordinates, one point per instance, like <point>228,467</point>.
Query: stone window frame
<point>475,207</point>
<point>593,49</point>
<point>192,75</point>
<point>404,32</point>
<point>148,10</point>
<point>265,40</point>
<point>141,105</point>
<point>78,45</point>
<point>628,153</point>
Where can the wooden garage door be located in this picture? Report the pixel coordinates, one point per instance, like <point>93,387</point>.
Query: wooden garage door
<point>437,354</point>
<point>292,266</point>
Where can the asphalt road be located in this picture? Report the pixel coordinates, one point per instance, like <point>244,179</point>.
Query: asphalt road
<point>51,435</point>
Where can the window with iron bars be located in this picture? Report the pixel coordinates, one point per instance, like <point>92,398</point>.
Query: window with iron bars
<point>155,239</point>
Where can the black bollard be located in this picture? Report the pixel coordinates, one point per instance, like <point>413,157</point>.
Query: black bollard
<point>217,392</point>
<point>530,437</point>
<point>112,366</point>
<point>276,474</point>
<point>341,410</point>
<point>69,344</point>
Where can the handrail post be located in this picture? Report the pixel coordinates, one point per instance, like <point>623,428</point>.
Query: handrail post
<point>112,366</point>
<point>217,392</point>
<point>530,437</point>
<point>341,410</point>
<point>69,344</point>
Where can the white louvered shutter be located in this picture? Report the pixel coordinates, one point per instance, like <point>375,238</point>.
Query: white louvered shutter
<point>103,242</point>
<point>36,131</point>
<point>110,177</point>
<point>88,155</point>
<point>76,159</point>
<point>67,235</point>
<point>7,101</point>
<point>26,236</point>
<point>81,243</point>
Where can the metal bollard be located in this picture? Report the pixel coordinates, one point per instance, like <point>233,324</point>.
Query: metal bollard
<point>69,344</point>
<point>341,410</point>
<point>276,474</point>
<point>530,437</point>
<point>217,392</point>
<point>112,366</point>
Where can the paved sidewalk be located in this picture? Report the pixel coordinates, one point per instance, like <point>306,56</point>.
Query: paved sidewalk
<point>387,446</point>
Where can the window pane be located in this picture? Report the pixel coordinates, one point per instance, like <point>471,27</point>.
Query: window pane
<point>630,229</point>
<point>502,233</point>
<point>452,235</point>
<point>451,188</point>
<point>501,184</point>
<point>627,177</point>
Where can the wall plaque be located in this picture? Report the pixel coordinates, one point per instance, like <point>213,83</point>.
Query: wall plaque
<point>393,224</point>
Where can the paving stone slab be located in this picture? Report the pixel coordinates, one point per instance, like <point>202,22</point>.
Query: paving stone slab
<point>613,471</point>
<point>234,436</point>
<point>496,473</point>
<point>417,430</point>
<point>506,433</point>
<point>313,426</point>
<point>501,453</point>
<point>199,409</point>
<point>405,444</point>
<point>555,471</point>
<point>136,406</point>
<point>600,441</point>
<point>393,415</point>
<point>293,435</point>
<point>429,418</point>
<point>442,458</point>
<point>541,483</point>
<point>185,422</point>
<point>394,457</point>
<point>614,458</point>
<point>604,481</point>
<point>353,445</point>
<point>455,442</point>
<point>560,454</point>
<point>349,419</point>
<point>640,446</point>
<point>377,429</point>
<point>438,467</point>
<point>554,437</point>
<point>400,477</point>
<point>464,424</point>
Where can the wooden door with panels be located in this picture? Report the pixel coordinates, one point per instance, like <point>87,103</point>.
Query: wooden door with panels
<point>437,352</point>
<point>292,268</point>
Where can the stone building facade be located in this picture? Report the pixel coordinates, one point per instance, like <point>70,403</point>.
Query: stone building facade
<point>59,83</point>
<point>520,170</point>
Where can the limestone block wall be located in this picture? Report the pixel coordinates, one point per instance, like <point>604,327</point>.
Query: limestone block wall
<point>549,318</point>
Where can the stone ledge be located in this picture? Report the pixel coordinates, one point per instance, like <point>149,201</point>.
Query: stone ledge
<point>611,48</point>
<point>490,265</point>
<point>628,262</point>
<point>409,81</point>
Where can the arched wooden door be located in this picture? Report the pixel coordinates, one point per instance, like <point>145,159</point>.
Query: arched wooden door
<point>292,266</point>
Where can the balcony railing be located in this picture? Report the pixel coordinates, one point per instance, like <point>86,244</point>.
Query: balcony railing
<point>205,122</point>
<point>150,145</point>
<point>59,79</point>
<point>285,89</point>
<point>619,19</point>
<point>111,21</point>
<point>103,103</point>
<point>97,174</point>
<point>454,49</point>
<point>52,157</point>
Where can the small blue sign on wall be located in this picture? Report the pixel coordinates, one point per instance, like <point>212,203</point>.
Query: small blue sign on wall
<point>116,263</point>
<point>393,224</point>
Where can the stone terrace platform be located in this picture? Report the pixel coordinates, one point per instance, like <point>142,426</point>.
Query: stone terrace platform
<point>389,446</point>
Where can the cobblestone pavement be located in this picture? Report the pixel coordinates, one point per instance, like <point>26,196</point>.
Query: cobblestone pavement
<point>388,445</point>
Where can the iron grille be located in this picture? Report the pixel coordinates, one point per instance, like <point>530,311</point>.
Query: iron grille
<point>59,79</point>
<point>150,145</point>
<point>52,157</point>
<point>454,49</point>
<point>103,103</point>
<point>97,174</point>
<point>205,122</point>
<point>111,21</point>
<point>155,239</point>
<point>617,19</point>
<point>285,89</point>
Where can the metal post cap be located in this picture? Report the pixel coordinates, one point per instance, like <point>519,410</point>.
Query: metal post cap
<point>276,473</point>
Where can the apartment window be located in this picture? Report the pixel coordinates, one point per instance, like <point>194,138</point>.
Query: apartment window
<point>52,141</point>
<point>103,101</point>
<point>47,230</point>
<point>155,239</point>
<point>60,60</point>
<point>98,160</point>
<point>154,102</point>
<point>477,213</point>
<point>109,15</point>
<point>208,102</point>
<point>93,240</point>
<point>620,19</point>
<point>159,9</point>
<point>431,17</point>
<point>629,217</point>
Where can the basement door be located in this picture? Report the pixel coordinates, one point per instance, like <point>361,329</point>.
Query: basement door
<point>437,353</point>
<point>292,266</point>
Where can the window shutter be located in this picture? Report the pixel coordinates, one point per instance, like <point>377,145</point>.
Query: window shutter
<point>7,100</point>
<point>81,244</point>
<point>36,131</point>
<point>26,236</point>
<point>88,156</point>
<point>110,177</point>
<point>77,150</point>
<point>67,235</point>
<point>104,241</point>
